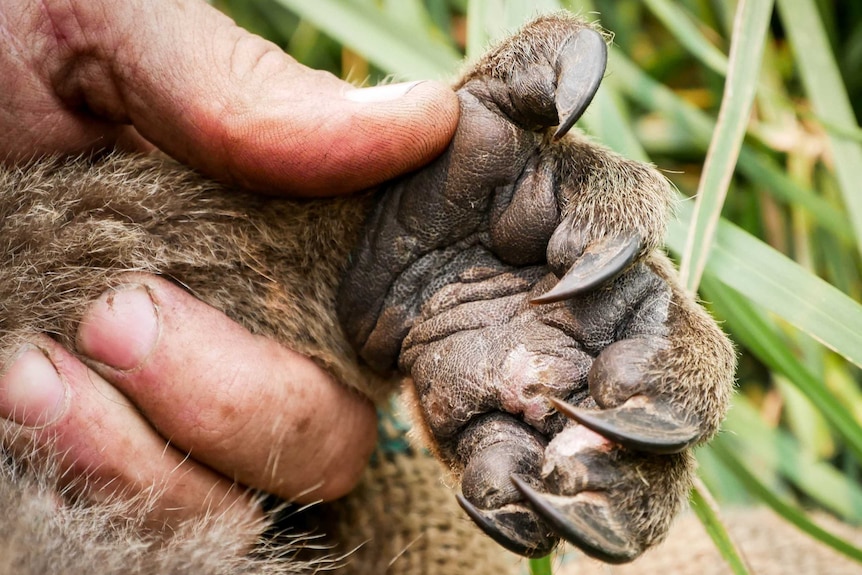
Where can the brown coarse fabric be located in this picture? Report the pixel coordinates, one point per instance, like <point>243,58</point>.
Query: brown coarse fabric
<point>769,545</point>
<point>405,521</point>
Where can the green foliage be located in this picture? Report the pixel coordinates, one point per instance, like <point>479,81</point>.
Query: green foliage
<point>751,112</point>
<point>540,566</point>
<point>706,510</point>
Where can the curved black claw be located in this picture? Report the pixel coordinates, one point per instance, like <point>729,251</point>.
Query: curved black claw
<point>514,527</point>
<point>581,67</point>
<point>640,423</point>
<point>589,525</point>
<point>601,262</point>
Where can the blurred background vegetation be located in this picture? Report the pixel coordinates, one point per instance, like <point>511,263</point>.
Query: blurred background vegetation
<point>750,106</point>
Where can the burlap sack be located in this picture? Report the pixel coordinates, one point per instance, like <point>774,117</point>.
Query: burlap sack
<point>404,520</point>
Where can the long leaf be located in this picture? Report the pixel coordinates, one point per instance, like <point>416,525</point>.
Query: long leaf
<point>630,80</point>
<point>794,515</point>
<point>824,86</point>
<point>761,445</point>
<point>746,54</point>
<point>541,566</point>
<point>751,328</point>
<point>777,284</point>
<point>381,39</point>
<point>707,511</point>
<point>673,16</point>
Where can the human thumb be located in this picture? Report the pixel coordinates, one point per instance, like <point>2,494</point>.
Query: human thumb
<point>238,108</point>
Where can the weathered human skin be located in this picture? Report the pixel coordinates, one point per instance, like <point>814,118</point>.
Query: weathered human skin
<point>565,408</point>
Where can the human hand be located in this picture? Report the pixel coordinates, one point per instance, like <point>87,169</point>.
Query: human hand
<point>89,75</point>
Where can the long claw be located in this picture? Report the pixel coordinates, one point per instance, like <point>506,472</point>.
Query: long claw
<point>514,527</point>
<point>640,424</point>
<point>589,525</point>
<point>601,262</point>
<point>581,67</point>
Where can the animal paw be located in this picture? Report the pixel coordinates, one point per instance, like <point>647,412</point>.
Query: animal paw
<point>559,370</point>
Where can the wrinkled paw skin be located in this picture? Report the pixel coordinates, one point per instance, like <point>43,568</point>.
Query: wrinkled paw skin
<point>559,370</point>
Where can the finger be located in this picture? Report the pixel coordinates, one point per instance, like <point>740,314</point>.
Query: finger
<point>96,434</point>
<point>130,140</point>
<point>244,405</point>
<point>235,106</point>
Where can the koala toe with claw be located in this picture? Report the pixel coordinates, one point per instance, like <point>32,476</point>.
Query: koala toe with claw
<point>557,367</point>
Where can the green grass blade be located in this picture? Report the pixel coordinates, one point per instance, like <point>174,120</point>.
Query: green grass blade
<point>628,79</point>
<point>761,445</point>
<point>791,513</point>
<point>746,53</point>
<point>763,170</point>
<point>707,511</point>
<point>604,119</point>
<point>491,20</point>
<point>853,133</point>
<point>541,566</point>
<point>478,37</point>
<point>674,18</point>
<point>751,328</point>
<point>825,88</point>
<point>775,283</point>
<point>404,51</point>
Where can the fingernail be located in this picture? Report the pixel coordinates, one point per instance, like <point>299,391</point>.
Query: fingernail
<point>31,391</point>
<point>380,93</point>
<point>120,329</point>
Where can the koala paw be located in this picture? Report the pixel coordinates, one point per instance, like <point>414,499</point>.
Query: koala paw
<point>559,370</point>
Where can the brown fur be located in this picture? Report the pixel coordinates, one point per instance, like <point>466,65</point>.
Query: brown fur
<point>40,534</point>
<point>67,235</point>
